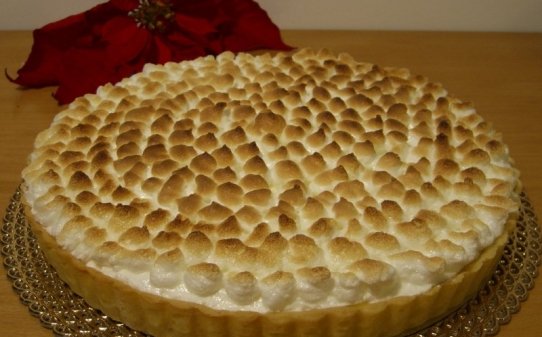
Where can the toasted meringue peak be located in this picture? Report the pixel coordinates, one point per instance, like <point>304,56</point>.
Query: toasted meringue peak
<point>278,289</point>
<point>315,283</point>
<point>203,279</point>
<point>372,272</point>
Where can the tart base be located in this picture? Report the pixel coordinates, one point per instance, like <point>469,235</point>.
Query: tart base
<point>161,317</point>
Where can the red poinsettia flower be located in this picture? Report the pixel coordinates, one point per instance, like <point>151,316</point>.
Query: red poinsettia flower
<point>115,39</point>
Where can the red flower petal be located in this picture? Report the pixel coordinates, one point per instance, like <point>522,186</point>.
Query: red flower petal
<point>163,53</point>
<point>201,9</point>
<point>83,72</point>
<point>50,42</point>
<point>195,25</point>
<point>41,67</point>
<point>124,40</point>
<point>183,47</point>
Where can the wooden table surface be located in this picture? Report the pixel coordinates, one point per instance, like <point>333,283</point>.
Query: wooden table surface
<point>500,72</point>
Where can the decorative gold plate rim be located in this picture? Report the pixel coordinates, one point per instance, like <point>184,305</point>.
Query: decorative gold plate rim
<point>66,314</point>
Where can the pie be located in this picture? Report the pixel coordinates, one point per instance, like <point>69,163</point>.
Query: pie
<point>282,194</point>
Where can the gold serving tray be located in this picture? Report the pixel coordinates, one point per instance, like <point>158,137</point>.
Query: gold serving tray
<point>67,314</point>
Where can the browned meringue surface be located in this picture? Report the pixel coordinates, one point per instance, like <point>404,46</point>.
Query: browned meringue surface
<point>273,183</point>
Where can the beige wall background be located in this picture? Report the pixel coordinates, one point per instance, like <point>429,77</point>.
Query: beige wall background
<point>457,15</point>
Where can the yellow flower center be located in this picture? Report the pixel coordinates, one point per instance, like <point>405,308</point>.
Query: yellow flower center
<point>155,15</point>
